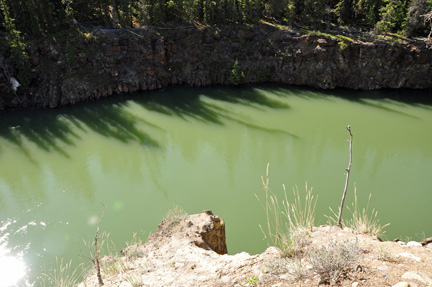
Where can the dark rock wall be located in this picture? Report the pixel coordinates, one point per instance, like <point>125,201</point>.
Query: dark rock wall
<point>125,61</point>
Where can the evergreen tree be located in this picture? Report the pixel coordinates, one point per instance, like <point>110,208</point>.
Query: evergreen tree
<point>367,12</point>
<point>391,16</point>
<point>280,9</point>
<point>313,13</point>
<point>343,11</point>
<point>415,16</point>
<point>17,45</point>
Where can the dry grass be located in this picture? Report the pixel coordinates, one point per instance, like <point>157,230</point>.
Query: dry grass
<point>335,259</point>
<point>384,254</point>
<point>112,265</point>
<point>362,220</point>
<point>134,280</point>
<point>64,275</point>
<point>176,214</point>
<point>295,269</point>
<point>288,222</point>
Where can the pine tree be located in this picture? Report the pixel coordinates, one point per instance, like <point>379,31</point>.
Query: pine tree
<point>343,11</point>
<point>17,45</point>
<point>367,12</point>
<point>313,13</point>
<point>415,16</point>
<point>391,16</point>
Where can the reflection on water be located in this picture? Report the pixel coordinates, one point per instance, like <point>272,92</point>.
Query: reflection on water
<point>202,149</point>
<point>12,266</point>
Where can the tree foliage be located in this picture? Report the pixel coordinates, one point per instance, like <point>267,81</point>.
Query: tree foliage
<point>36,18</point>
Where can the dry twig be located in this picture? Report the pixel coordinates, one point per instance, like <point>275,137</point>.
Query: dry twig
<point>339,223</point>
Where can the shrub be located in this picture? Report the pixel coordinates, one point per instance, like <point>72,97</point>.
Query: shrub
<point>334,260</point>
<point>176,214</point>
<point>237,76</point>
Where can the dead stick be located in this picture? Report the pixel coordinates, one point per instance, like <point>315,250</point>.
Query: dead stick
<point>98,272</point>
<point>347,178</point>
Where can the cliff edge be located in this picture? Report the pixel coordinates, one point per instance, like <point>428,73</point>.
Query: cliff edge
<point>192,252</point>
<point>104,62</point>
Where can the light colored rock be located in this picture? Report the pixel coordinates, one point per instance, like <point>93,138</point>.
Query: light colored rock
<point>383,267</point>
<point>226,279</point>
<point>416,275</point>
<point>402,284</point>
<point>347,229</point>
<point>409,255</point>
<point>355,284</point>
<point>414,244</point>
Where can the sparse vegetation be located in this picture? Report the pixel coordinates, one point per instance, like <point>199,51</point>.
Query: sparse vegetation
<point>384,255</point>
<point>133,249</point>
<point>134,280</point>
<point>295,269</point>
<point>252,281</point>
<point>288,223</point>
<point>176,214</point>
<point>334,260</point>
<point>113,265</point>
<point>362,220</point>
<point>63,275</point>
<point>237,76</point>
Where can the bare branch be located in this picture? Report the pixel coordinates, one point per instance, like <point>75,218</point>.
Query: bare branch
<point>96,253</point>
<point>347,178</point>
<point>428,19</point>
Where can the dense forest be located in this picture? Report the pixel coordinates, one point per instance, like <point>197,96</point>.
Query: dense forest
<point>42,17</point>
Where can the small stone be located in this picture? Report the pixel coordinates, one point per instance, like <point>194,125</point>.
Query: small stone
<point>277,285</point>
<point>414,243</point>
<point>355,284</point>
<point>226,279</point>
<point>416,275</point>
<point>409,255</point>
<point>402,284</point>
<point>383,267</point>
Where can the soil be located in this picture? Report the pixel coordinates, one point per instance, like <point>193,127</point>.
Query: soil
<point>182,253</point>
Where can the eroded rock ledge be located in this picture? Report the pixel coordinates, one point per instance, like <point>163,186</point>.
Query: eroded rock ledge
<point>108,62</point>
<point>192,252</point>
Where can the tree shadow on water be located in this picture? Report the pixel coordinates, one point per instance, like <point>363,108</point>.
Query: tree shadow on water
<point>52,130</point>
<point>388,100</point>
<point>214,105</point>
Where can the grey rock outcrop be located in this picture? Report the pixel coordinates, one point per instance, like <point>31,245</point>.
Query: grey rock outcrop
<point>115,61</point>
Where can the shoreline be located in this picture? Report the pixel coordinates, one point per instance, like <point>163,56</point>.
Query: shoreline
<point>110,62</point>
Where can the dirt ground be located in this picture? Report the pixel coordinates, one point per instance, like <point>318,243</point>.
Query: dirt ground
<point>182,253</point>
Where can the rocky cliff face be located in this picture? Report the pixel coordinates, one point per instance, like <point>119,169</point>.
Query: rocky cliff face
<point>108,62</point>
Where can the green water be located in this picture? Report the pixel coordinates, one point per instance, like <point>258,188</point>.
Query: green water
<point>203,149</point>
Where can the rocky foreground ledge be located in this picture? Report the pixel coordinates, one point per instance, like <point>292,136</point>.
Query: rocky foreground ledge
<point>192,252</point>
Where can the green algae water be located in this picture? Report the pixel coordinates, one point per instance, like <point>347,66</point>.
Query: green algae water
<point>203,149</point>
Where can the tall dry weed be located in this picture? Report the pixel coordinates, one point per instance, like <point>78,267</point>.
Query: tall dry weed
<point>288,222</point>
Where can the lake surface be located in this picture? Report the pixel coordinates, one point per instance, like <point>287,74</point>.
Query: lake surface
<point>203,149</point>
